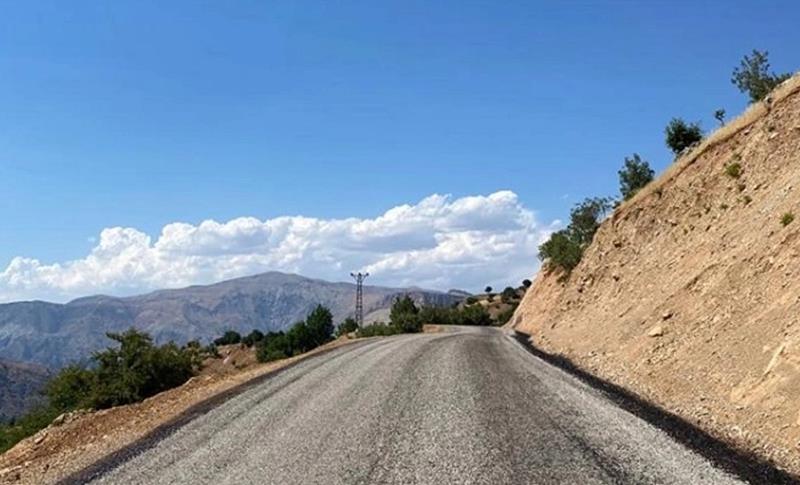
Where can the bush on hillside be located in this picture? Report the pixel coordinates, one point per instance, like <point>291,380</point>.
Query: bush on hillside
<point>754,77</point>
<point>682,135</point>
<point>585,218</point>
<point>129,372</point>
<point>253,338</point>
<point>320,326</point>
<point>468,315</point>
<point>526,283</point>
<point>349,325</point>
<point>635,174</point>
<point>405,315</point>
<point>273,346</point>
<point>504,316</point>
<point>316,330</point>
<point>508,294</point>
<point>734,170</point>
<point>137,369</point>
<point>229,338</point>
<point>561,251</point>
<point>378,329</point>
<point>565,248</point>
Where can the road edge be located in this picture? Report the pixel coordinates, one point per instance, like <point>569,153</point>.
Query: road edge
<point>152,438</point>
<point>742,464</point>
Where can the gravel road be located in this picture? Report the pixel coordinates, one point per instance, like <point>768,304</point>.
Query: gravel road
<point>467,406</point>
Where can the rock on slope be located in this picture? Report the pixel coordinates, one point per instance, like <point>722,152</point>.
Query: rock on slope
<point>53,334</point>
<point>690,293</point>
<point>20,387</point>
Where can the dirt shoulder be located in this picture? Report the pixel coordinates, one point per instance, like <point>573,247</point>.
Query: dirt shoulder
<point>688,295</point>
<point>79,439</point>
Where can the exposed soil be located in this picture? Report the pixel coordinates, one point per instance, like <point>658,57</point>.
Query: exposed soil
<point>77,440</point>
<point>689,295</point>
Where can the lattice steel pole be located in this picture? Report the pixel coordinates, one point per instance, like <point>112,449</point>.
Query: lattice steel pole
<point>359,277</point>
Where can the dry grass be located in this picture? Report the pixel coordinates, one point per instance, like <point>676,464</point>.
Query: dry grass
<point>753,113</point>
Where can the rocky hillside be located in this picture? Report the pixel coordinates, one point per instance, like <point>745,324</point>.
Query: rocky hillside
<point>53,335</point>
<point>20,387</point>
<point>690,293</point>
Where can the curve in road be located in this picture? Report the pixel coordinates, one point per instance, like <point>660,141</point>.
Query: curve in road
<point>466,406</point>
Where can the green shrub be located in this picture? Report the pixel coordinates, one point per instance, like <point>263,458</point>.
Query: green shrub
<point>719,115</point>
<point>129,372</point>
<point>405,315</point>
<point>508,294</point>
<point>349,325</point>
<point>733,170</point>
<point>471,300</point>
<point>320,326</point>
<point>71,388</point>
<point>253,338</point>
<point>561,251</point>
<point>565,248</point>
<point>274,346</point>
<point>303,336</point>
<point>504,316</point>
<point>635,174</point>
<point>137,369</point>
<point>787,218</point>
<point>28,425</point>
<point>526,283</point>
<point>378,330</point>
<point>754,77</point>
<point>228,338</point>
<point>681,135</point>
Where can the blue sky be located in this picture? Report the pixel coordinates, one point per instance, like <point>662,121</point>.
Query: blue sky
<point>141,114</point>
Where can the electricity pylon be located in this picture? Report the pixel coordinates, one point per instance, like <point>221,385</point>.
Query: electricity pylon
<point>359,277</point>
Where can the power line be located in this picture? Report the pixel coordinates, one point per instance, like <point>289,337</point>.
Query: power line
<point>359,277</point>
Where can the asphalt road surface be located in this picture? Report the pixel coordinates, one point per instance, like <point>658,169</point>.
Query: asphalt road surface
<point>469,406</point>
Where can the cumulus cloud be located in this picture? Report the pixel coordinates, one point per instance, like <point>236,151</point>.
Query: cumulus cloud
<point>440,243</point>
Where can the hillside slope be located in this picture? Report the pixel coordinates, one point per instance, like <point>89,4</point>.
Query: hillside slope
<point>690,293</point>
<point>20,387</point>
<point>53,335</point>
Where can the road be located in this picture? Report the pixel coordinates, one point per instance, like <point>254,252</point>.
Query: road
<point>468,406</point>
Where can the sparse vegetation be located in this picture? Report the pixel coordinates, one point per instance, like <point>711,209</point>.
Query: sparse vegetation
<point>753,76</point>
<point>316,330</point>
<point>565,248</point>
<point>467,315</point>
<point>508,294</point>
<point>378,329</point>
<point>230,337</point>
<point>681,135</point>
<point>719,115</point>
<point>253,338</point>
<point>635,174</point>
<point>405,315</point>
<point>349,325</point>
<point>787,218</point>
<point>129,372</point>
<point>733,170</point>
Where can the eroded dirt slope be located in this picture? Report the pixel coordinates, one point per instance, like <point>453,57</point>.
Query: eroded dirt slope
<point>690,292</point>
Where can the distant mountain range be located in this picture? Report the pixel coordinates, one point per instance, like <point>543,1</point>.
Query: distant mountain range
<point>20,387</point>
<point>54,335</point>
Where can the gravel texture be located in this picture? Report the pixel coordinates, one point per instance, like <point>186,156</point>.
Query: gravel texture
<point>465,406</point>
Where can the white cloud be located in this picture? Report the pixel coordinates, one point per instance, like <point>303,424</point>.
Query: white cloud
<point>440,242</point>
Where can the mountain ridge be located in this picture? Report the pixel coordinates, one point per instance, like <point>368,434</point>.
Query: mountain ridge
<point>55,334</point>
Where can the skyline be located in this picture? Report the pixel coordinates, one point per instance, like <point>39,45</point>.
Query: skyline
<point>123,121</point>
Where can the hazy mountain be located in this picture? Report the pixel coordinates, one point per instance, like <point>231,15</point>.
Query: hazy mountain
<point>56,334</point>
<point>20,387</point>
